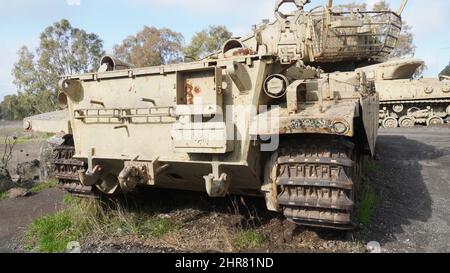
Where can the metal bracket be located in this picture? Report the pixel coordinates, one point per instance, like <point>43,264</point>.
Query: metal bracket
<point>217,184</point>
<point>91,177</point>
<point>139,172</point>
<point>292,96</point>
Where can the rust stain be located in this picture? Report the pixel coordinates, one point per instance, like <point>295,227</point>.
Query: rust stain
<point>243,52</point>
<point>197,90</point>
<point>189,94</point>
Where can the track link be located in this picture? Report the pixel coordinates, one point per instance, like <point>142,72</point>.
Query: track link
<point>66,170</point>
<point>315,183</point>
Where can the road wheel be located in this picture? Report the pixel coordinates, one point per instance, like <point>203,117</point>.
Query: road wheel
<point>435,121</point>
<point>398,108</point>
<point>448,110</point>
<point>412,110</point>
<point>390,123</point>
<point>407,122</point>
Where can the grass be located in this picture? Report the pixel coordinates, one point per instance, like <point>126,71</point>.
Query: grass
<point>83,218</point>
<point>158,227</point>
<point>3,195</point>
<point>248,239</point>
<point>136,223</point>
<point>38,187</point>
<point>29,137</point>
<point>369,202</point>
<point>51,234</point>
<point>371,166</point>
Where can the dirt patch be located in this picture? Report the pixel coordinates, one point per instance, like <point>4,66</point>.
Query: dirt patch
<point>212,225</point>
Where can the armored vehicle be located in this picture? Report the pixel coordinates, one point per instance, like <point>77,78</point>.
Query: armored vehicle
<point>405,101</point>
<point>259,118</point>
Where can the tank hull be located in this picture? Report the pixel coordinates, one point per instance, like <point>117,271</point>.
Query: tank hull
<point>255,118</point>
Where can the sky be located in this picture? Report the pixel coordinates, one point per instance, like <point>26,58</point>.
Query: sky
<point>21,22</point>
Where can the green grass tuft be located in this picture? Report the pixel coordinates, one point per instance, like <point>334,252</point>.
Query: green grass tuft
<point>38,187</point>
<point>371,166</point>
<point>248,239</point>
<point>84,218</point>
<point>51,234</point>
<point>3,195</point>
<point>367,206</point>
<point>29,137</point>
<point>158,227</point>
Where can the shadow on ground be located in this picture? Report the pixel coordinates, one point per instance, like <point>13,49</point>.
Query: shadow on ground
<point>399,182</point>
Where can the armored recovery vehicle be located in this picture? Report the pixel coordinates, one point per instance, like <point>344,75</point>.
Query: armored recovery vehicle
<point>256,118</point>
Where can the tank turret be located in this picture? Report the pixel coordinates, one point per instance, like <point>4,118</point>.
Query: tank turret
<point>323,35</point>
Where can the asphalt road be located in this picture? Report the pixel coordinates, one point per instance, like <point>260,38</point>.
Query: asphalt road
<point>17,214</point>
<point>413,183</point>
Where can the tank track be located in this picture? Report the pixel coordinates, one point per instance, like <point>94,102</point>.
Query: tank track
<point>66,170</point>
<point>439,108</point>
<point>315,183</point>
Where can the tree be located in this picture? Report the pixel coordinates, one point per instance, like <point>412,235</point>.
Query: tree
<point>206,42</point>
<point>63,50</point>
<point>351,7</point>
<point>446,71</point>
<point>151,47</point>
<point>405,44</point>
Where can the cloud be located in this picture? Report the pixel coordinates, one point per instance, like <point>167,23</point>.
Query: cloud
<point>73,2</point>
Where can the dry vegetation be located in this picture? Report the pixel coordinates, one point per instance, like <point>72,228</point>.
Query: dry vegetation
<point>190,222</point>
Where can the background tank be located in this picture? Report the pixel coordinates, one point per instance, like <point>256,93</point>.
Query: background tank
<point>257,118</point>
<point>405,101</point>
<point>54,122</point>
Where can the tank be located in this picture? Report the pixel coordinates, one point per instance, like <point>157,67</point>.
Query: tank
<point>406,101</point>
<point>259,117</point>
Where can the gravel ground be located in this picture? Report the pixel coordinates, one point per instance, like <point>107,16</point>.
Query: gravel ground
<point>413,182</point>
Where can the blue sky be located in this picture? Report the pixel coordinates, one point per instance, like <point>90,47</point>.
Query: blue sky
<point>21,22</point>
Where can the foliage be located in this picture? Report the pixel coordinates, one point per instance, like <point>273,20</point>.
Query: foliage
<point>371,166</point>
<point>38,187</point>
<point>63,50</point>
<point>3,195</point>
<point>9,144</point>
<point>151,47</point>
<point>369,202</point>
<point>249,239</point>
<point>206,42</point>
<point>446,71</point>
<point>83,218</point>
<point>51,234</point>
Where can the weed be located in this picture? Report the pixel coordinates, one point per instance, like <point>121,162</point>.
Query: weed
<point>38,187</point>
<point>33,137</point>
<point>3,195</point>
<point>83,218</point>
<point>248,239</point>
<point>368,203</point>
<point>371,166</point>
<point>50,234</point>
